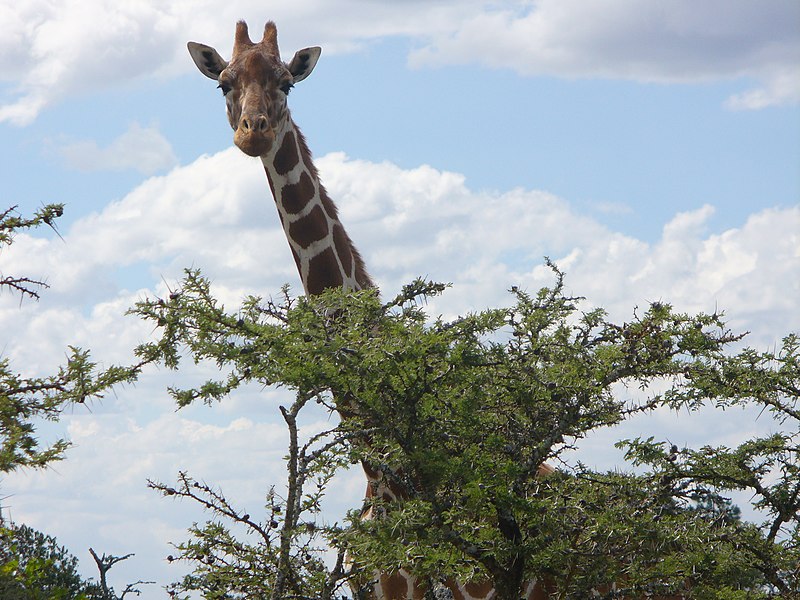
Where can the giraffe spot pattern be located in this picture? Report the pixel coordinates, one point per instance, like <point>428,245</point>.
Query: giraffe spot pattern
<point>286,158</point>
<point>342,243</point>
<point>328,205</point>
<point>323,272</point>
<point>295,196</point>
<point>399,585</point>
<point>311,228</point>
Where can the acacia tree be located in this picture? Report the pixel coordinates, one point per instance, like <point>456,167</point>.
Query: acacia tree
<point>24,399</point>
<point>32,564</point>
<point>462,413</point>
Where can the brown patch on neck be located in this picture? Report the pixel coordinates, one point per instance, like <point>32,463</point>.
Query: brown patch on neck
<point>295,196</point>
<point>328,204</point>
<point>311,228</point>
<point>349,256</point>
<point>323,272</point>
<point>395,585</point>
<point>286,158</point>
<point>343,245</point>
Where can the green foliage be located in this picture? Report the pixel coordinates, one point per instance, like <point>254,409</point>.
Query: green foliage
<point>33,566</point>
<point>463,413</point>
<point>23,400</point>
<point>11,223</point>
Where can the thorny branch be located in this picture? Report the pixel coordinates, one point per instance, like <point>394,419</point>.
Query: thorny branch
<point>104,564</point>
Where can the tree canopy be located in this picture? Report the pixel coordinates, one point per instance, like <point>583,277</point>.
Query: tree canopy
<point>32,564</point>
<point>462,413</point>
<point>24,398</point>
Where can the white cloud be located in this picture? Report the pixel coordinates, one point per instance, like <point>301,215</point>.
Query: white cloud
<point>60,48</point>
<point>780,87</point>
<point>143,149</point>
<point>64,48</point>
<point>681,41</point>
<point>217,214</point>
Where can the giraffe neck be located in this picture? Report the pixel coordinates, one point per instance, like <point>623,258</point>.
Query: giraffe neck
<point>326,258</point>
<point>322,250</point>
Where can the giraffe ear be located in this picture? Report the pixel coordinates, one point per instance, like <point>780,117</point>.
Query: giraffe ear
<point>207,59</point>
<point>303,62</point>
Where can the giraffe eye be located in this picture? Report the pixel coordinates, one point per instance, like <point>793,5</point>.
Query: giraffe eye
<point>286,86</point>
<point>225,88</point>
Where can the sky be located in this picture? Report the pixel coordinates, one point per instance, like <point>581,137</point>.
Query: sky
<point>651,149</point>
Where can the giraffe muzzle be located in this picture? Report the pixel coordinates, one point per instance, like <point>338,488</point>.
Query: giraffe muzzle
<point>254,136</point>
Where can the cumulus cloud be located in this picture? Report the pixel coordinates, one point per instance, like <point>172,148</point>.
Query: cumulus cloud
<point>143,149</point>
<point>64,48</point>
<point>485,242</point>
<point>780,87</point>
<point>61,48</point>
<point>217,214</point>
<point>681,41</point>
<point>55,49</point>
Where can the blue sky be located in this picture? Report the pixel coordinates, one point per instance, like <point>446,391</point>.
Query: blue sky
<point>652,149</point>
<point>631,152</point>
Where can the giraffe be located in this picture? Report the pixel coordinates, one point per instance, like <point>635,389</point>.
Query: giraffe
<point>255,84</point>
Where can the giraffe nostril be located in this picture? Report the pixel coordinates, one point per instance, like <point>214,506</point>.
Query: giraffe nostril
<point>257,124</point>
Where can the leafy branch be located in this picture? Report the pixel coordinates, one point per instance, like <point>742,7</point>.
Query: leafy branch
<point>10,223</point>
<point>462,415</point>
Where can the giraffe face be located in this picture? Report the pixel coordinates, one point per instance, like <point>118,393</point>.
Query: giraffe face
<point>255,84</point>
<point>255,90</point>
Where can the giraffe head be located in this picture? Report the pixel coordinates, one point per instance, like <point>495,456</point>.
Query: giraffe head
<point>255,83</point>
